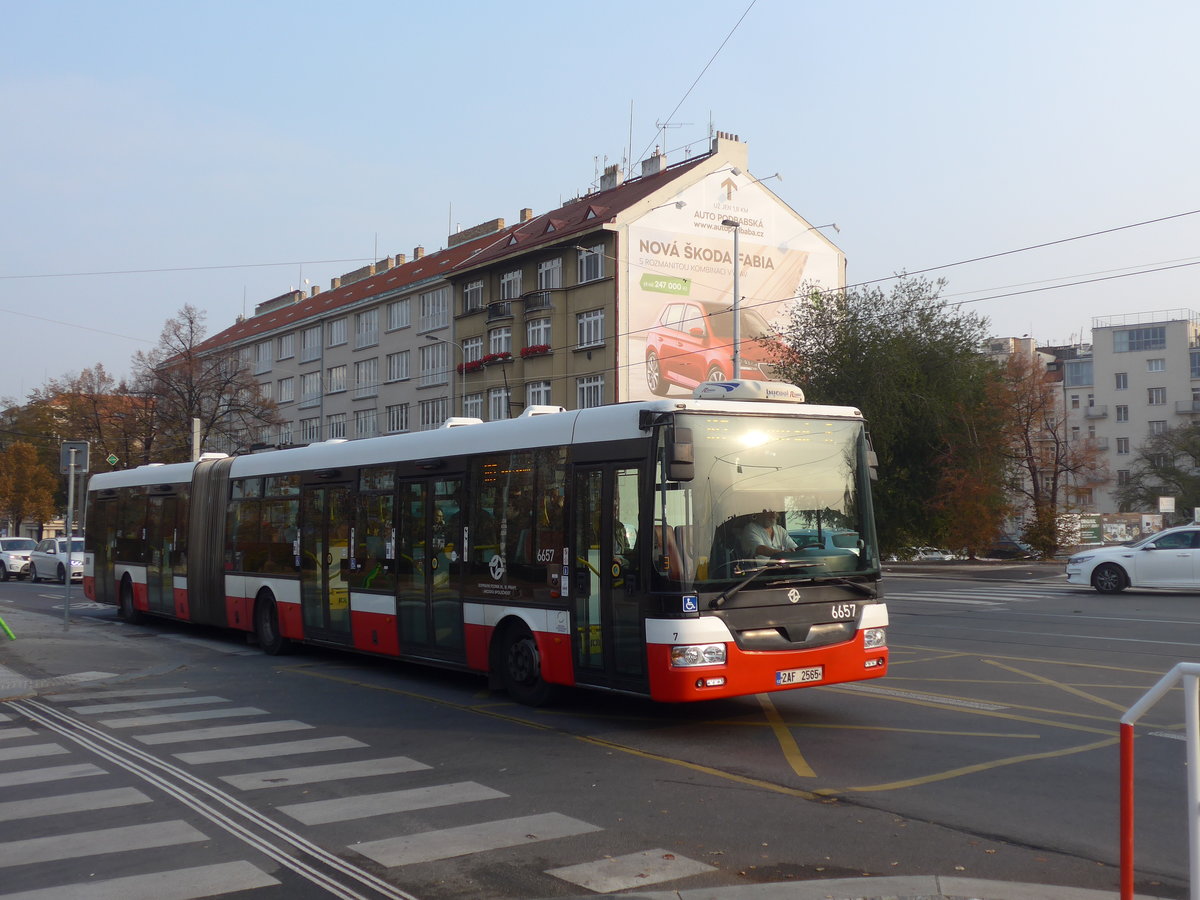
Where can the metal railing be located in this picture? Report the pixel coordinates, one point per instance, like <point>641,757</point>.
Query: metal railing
<point>1189,675</point>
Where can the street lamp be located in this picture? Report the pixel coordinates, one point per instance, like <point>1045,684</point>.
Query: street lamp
<point>737,298</point>
<point>462,353</point>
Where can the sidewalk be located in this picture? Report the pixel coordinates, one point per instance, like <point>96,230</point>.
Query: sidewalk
<point>47,657</point>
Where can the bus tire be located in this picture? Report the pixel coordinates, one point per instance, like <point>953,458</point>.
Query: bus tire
<point>266,626</point>
<point>128,612</point>
<point>521,667</point>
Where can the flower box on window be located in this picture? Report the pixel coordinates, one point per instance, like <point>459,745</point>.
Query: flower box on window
<point>534,350</point>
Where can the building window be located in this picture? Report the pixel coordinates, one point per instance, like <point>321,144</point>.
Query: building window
<point>366,329</point>
<point>1161,461</point>
<point>335,379</point>
<point>1135,339</point>
<point>550,274</point>
<point>433,413</point>
<point>310,390</point>
<point>335,425</point>
<point>591,263</point>
<point>537,393</point>
<point>500,340</point>
<point>287,390</point>
<point>590,391</point>
<point>397,418</point>
<point>510,285</point>
<point>1122,446</point>
<point>366,423</point>
<point>1078,372</point>
<point>537,333</point>
<point>266,391</point>
<point>1156,396</point>
<point>285,345</point>
<point>1122,476</point>
<point>1122,381</point>
<point>397,366</point>
<point>310,430</point>
<point>472,349</point>
<point>1195,363</point>
<point>366,378</point>
<point>435,309</point>
<point>262,358</point>
<point>473,406</point>
<point>1122,413</point>
<point>1074,401</point>
<point>472,296</point>
<point>310,344</point>
<point>498,404</point>
<point>397,314</point>
<point>591,328</point>
<point>337,333</point>
<point>435,367</point>
<point>1156,365</point>
<point>1158,426</point>
<point>284,437</point>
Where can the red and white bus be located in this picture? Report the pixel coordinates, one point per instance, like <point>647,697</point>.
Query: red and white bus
<point>602,547</point>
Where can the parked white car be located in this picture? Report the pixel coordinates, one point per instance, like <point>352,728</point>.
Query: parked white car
<point>48,560</point>
<point>1167,559</point>
<point>14,557</point>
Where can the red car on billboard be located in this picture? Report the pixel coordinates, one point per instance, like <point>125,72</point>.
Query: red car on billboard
<point>692,342</point>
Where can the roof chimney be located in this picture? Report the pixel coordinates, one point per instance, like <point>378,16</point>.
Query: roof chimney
<point>401,259</point>
<point>316,289</point>
<point>654,164</point>
<point>611,177</point>
<point>526,214</point>
<point>418,253</point>
<point>335,283</point>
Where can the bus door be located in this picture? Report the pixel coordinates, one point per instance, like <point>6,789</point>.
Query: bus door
<point>608,637</point>
<point>161,534</point>
<point>429,558</point>
<point>326,514</point>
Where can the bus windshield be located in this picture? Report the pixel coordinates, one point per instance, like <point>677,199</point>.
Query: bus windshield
<point>783,495</point>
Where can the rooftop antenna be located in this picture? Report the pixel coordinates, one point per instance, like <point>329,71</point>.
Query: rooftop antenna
<point>629,152</point>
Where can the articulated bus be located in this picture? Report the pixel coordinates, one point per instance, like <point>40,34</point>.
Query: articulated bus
<point>603,548</point>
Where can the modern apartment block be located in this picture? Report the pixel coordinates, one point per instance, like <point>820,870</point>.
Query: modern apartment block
<point>619,294</point>
<point>1141,378</point>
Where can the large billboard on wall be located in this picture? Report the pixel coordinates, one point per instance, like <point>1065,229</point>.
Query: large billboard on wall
<point>677,318</point>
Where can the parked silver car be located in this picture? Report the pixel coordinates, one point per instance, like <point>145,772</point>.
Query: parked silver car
<point>14,557</point>
<point>48,560</point>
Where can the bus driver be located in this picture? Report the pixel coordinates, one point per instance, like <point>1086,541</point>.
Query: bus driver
<point>764,536</point>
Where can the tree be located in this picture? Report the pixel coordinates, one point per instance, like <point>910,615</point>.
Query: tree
<point>26,486</point>
<point>1047,464</point>
<point>910,362</point>
<point>1166,465</point>
<point>183,381</point>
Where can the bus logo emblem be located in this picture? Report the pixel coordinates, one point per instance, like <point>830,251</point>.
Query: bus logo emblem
<point>793,595</point>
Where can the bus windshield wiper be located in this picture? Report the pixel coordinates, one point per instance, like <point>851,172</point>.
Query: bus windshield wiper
<point>718,602</point>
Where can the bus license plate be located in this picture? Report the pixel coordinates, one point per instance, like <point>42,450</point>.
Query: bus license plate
<point>800,676</point>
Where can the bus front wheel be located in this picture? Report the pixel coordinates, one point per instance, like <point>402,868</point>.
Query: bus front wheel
<point>521,667</point>
<point>266,626</point>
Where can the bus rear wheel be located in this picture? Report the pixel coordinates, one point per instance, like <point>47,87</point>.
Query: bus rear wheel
<point>521,667</point>
<point>130,613</point>
<point>266,626</point>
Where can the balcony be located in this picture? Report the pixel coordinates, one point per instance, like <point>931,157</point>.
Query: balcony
<point>501,309</point>
<point>1096,412</point>
<point>1187,407</point>
<point>537,300</point>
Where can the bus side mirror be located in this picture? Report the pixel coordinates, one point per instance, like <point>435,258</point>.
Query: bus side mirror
<point>873,464</point>
<point>681,455</point>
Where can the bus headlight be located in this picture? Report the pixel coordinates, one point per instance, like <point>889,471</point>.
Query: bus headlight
<point>698,655</point>
<point>874,638</point>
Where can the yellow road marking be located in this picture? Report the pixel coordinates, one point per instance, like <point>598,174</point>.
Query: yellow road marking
<point>982,767</point>
<point>783,734</point>
<point>1074,692</point>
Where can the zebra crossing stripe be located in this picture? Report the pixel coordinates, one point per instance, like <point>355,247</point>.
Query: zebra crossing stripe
<point>114,693</point>
<point>97,843</point>
<point>228,731</point>
<point>343,809</point>
<point>195,715</point>
<point>98,708</point>
<point>619,872</point>
<point>32,751</point>
<point>14,810</point>
<point>179,884</point>
<point>6,733</point>
<point>450,842</point>
<point>392,765</point>
<point>55,773</point>
<point>264,751</point>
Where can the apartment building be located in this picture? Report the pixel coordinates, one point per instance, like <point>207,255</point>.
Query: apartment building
<point>1141,378</point>
<point>563,308</point>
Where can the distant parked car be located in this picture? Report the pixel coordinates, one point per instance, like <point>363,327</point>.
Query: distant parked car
<point>932,554</point>
<point>48,560</point>
<point>1166,559</point>
<point>14,557</point>
<point>692,342</point>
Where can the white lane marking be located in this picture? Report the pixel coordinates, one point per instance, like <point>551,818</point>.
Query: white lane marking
<point>913,695</point>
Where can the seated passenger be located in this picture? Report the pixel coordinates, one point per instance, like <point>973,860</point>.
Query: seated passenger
<point>764,536</point>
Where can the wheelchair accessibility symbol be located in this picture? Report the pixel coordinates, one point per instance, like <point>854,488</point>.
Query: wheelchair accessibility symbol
<point>691,603</point>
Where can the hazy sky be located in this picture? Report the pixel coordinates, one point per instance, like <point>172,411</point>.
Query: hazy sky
<point>219,153</point>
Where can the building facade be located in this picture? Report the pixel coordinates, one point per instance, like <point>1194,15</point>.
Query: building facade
<point>620,294</point>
